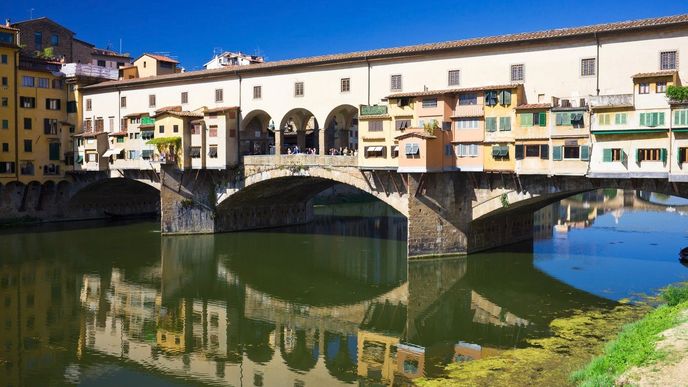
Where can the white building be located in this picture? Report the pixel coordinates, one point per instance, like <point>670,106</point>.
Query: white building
<point>232,59</point>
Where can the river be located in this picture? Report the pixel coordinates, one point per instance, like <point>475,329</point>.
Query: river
<point>332,302</point>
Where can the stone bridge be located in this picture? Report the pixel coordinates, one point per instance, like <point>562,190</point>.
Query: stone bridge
<point>448,213</point>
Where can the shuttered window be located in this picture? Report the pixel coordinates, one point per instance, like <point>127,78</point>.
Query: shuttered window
<point>681,117</point>
<point>375,126</point>
<point>395,82</point>
<point>491,124</point>
<point>651,154</point>
<point>613,154</point>
<point>620,119</point>
<point>504,124</point>
<point>151,100</point>
<point>652,119</point>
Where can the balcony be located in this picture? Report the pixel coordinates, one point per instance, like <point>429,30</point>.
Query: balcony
<point>71,70</point>
<point>468,111</point>
<point>611,101</point>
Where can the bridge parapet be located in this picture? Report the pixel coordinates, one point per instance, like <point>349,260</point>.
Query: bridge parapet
<point>301,160</point>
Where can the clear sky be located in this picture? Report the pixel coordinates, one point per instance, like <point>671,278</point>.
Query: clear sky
<point>190,30</point>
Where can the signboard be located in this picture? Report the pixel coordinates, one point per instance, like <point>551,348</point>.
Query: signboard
<point>372,110</point>
<point>147,120</point>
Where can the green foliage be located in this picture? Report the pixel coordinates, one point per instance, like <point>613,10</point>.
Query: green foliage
<point>431,126</point>
<point>163,141</point>
<point>505,200</point>
<point>47,53</point>
<point>674,295</point>
<point>677,93</point>
<point>636,344</point>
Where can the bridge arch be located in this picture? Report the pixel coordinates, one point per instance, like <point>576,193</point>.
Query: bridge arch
<point>337,125</point>
<point>115,196</point>
<point>257,134</point>
<point>299,127</point>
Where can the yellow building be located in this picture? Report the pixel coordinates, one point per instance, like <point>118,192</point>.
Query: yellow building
<point>9,50</point>
<point>500,115</point>
<point>376,133</point>
<point>43,132</point>
<point>531,134</point>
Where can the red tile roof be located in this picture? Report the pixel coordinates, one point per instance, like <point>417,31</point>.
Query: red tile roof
<point>175,108</point>
<point>532,106</point>
<point>422,134</point>
<point>118,134</point>
<point>421,49</point>
<point>161,58</point>
<point>221,109</point>
<point>452,91</point>
<point>665,73</point>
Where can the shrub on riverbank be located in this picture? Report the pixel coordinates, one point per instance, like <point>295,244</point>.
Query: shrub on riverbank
<point>636,344</point>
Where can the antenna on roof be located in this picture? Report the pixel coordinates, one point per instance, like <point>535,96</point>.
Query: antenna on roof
<point>217,51</point>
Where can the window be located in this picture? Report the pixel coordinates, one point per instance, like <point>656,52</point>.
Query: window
<point>402,102</point>
<point>257,92</point>
<point>517,72</point>
<point>533,119</point>
<point>195,152</point>
<point>491,98</point>
<point>661,87</point>
<point>5,81</point>
<point>298,89</point>
<point>588,67</point>
<point>375,126</point>
<point>491,124</point>
<point>453,78</point>
<point>668,60</point>
<point>5,147</point>
<point>613,154</point>
<point>27,123</point>
<point>468,99</point>
<point>28,146</point>
<point>54,151</point>
<point>49,126</point>
<point>43,83</point>
<point>57,84</point>
<point>212,131</point>
<point>375,152</point>
<point>504,124</point>
<point>682,155</point>
<point>504,97</point>
<point>345,85</point>
<point>147,135</point>
<point>185,97</point>
<point>175,128</point>
<point>3,58</point>
<point>196,129</point>
<point>6,167</point>
<point>620,119</point>
<point>101,63</point>
<point>219,95</point>
<point>531,151</point>
<point>604,119</point>
<point>652,119</point>
<point>123,102</point>
<point>429,103</point>
<point>161,128</point>
<point>653,154</point>
<point>27,102</point>
<point>26,168</point>
<point>399,124</point>
<point>467,150</point>
<point>395,82</point>
<point>166,65</point>
<point>53,104</point>
<point>412,151</point>
<point>5,124</point>
<point>681,117</point>
<point>71,106</point>
<point>5,102</point>
<point>500,152</point>
<point>644,88</point>
<point>467,123</point>
<point>28,81</point>
<point>151,100</point>
<point>38,40</point>
<point>212,151</point>
<point>54,40</point>
<point>573,119</point>
<point>89,104</point>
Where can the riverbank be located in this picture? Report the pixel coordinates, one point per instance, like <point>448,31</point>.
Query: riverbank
<point>652,351</point>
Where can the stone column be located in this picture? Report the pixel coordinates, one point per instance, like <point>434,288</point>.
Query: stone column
<point>321,142</point>
<point>278,141</point>
<point>301,139</point>
<point>185,206</point>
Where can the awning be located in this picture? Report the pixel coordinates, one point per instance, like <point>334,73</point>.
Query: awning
<point>111,152</point>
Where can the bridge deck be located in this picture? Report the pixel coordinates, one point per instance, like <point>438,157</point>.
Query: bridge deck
<point>301,160</point>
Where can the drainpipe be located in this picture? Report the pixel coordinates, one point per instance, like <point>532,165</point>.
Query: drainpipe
<point>597,62</point>
<point>368,64</point>
<point>238,123</point>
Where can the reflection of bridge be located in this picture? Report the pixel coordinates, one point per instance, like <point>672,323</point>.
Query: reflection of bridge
<point>630,200</point>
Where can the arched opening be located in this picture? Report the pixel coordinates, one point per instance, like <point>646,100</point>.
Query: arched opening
<point>341,129</point>
<point>257,340</point>
<point>257,135</point>
<point>299,348</point>
<point>115,197</point>
<point>299,131</point>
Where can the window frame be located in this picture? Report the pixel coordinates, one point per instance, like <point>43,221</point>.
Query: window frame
<point>675,60</point>
<point>392,82</point>
<point>522,72</point>
<point>457,74</point>
<point>299,89</point>
<point>258,92</point>
<point>345,85</point>
<point>584,67</point>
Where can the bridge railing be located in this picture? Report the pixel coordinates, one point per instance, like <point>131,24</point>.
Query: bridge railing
<point>301,160</point>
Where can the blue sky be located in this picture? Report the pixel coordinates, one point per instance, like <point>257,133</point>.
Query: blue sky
<point>190,30</point>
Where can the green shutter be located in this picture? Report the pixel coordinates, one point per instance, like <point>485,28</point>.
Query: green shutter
<point>663,155</point>
<point>642,119</point>
<point>637,155</point>
<point>661,119</point>
<point>557,152</point>
<point>678,156</point>
<point>504,123</point>
<point>558,119</point>
<point>54,150</point>
<point>491,124</point>
<point>607,155</point>
<point>526,119</point>
<point>585,152</point>
<point>543,118</point>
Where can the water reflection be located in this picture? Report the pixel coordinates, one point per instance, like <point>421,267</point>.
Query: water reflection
<point>322,304</point>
